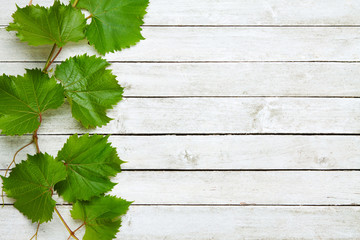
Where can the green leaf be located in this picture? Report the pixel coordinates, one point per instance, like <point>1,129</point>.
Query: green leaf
<point>89,161</point>
<point>90,88</point>
<point>40,26</point>
<point>115,24</point>
<point>102,216</point>
<point>31,183</point>
<point>24,98</point>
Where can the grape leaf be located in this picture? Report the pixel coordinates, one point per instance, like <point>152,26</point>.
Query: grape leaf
<point>31,183</point>
<point>58,24</point>
<point>102,216</point>
<point>24,98</point>
<point>115,24</point>
<point>89,161</point>
<point>90,88</point>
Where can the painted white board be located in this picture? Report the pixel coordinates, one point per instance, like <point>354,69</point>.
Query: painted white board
<point>204,223</point>
<point>212,152</point>
<point>233,12</point>
<point>212,44</point>
<point>228,79</point>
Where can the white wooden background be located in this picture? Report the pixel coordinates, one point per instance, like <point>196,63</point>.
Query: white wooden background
<point>241,121</point>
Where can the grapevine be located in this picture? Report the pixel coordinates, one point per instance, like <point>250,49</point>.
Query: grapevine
<point>82,170</point>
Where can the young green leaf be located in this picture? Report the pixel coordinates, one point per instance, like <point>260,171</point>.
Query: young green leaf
<point>102,216</point>
<point>40,26</point>
<point>24,98</point>
<point>89,161</point>
<point>115,24</point>
<point>90,88</point>
<point>31,183</point>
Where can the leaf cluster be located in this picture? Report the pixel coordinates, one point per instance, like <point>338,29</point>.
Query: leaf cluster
<point>80,174</point>
<point>82,170</point>
<point>115,24</point>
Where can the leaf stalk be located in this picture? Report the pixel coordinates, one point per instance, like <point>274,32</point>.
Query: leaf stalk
<point>76,2</point>
<point>49,58</point>
<point>36,233</point>
<point>35,136</point>
<point>65,224</point>
<point>8,168</point>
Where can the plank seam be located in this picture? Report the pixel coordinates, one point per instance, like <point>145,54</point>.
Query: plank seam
<point>225,205</point>
<point>204,62</point>
<point>242,26</point>
<point>237,170</point>
<point>200,134</point>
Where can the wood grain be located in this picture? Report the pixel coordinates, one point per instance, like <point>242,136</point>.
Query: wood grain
<point>218,115</point>
<point>238,187</point>
<point>213,152</point>
<point>204,223</point>
<point>229,79</point>
<point>271,67</point>
<point>232,12</point>
<point>213,44</point>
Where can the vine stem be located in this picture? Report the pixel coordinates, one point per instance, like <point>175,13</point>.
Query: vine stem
<point>13,162</point>
<point>49,62</point>
<point>49,58</point>
<point>30,2</point>
<point>35,136</point>
<point>35,140</point>
<point>76,2</point>
<point>77,229</point>
<point>65,224</point>
<point>36,233</point>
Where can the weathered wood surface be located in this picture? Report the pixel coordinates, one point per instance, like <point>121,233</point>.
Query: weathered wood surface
<point>277,69</point>
<point>213,44</point>
<point>229,79</point>
<point>208,222</point>
<point>235,12</point>
<point>239,187</point>
<point>213,152</point>
<point>218,115</point>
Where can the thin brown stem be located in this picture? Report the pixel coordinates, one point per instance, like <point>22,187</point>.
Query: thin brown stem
<point>65,224</point>
<point>79,227</point>
<point>17,152</point>
<point>76,230</point>
<point>76,2</point>
<point>30,2</point>
<point>36,233</point>
<point>8,168</point>
<point>51,62</point>
<point>90,16</point>
<point>49,58</point>
<point>35,136</point>
<point>35,140</point>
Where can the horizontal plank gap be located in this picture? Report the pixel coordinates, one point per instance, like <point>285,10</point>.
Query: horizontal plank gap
<point>197,134</point>
<point>235,170</point>
<point>210,61</point>
<point>225,205</point>
<point>201,134</point>
<point>259,96</point>
<point>242,26</point>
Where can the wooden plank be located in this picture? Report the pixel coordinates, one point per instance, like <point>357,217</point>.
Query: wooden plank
<point>233,12</point>
<point>204,223</point>
<point>213,44</point>
<point>238,187</point>
<point>218,115</point>
<point>213,152</point>
<point>229,79</point>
